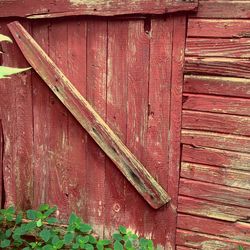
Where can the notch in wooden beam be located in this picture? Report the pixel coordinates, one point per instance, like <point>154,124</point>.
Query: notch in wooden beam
<point>89,119</point>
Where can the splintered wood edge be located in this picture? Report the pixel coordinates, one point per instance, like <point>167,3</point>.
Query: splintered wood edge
<point>89,119</point>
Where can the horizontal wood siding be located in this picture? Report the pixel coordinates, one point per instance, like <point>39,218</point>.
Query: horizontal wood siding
<point>214,190</point>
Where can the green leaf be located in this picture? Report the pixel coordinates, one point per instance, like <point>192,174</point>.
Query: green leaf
<point>50,211</point>
<point>4,38</point>
<point>52,220</point>
<point>59,244</point>
<point>85,228</point>
<point>241,248</point>
<point>43,207</point>
<point>19,218</point>
<point>45,234</point>
<point>31,214</point>
<point>47,247</point>
<point>5,243</point>
<point>55,240</point>
<point>5,72</point>
<point>117,236</point>
<point>27,248</point>
<point>39,223</point>
<point>92,239</point>
<point>128,244</point>
<point>8,233</point>
<point>72,219</point>
<point>75,245</point>
<point>123,230</point>
<point>88,247</point>
<point>29,227</point>
<point>99,246</point>
<point>104,242</point>
<point>68,238</point>
<point>118,245</point>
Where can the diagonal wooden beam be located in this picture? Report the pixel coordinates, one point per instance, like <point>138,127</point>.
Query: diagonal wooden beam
<point>84,113</point>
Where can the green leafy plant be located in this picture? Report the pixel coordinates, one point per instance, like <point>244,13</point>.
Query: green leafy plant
<point>5,72</point>
<point>39,229</point>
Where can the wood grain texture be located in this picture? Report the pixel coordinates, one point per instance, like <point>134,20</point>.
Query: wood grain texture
<point>216,193</point>
<point>217,157</point>
<point>50,8</point>
<point>16,115</point>
<point>216,175</point>
<point>215,85</point>
<point>221,47</point>
<point>237,231</point>
<point>175,121</point>
<point>223,9</point>
<point>89,119</point>
<point>198,138</point>
<point>221,66</point>
<point>216,104</point>
<point>96,94</point>
<point>212,122</point>
<point>197,240</point>
<point>204,208</point>
<point>219,28</point>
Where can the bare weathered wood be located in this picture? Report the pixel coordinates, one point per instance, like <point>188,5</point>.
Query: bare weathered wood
<point>224,9</point>
<point>218,47</point>
<point>238,230</point>
<point>214,85</point>
<point>216,157</point>
<point>51,8</point>
<point>213,122</point>
<point>134,171</point>
<point>221,66</point>
<point>215,140</point>
<point>208,209</point>
<point>216,175</point>
<point>215,192</point>
<point>203,241</point>
<point>216,104</point>
<point>218,28</point>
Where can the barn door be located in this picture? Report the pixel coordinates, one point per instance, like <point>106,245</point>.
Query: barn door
<point>130,70</point>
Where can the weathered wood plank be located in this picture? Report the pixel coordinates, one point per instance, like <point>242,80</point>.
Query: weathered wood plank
<point>215,140</point>
<point>197,240</point>
<point>183,248</point>
<point>218,28</point>
<point>215,193</point>
<point>217,157</point>
<point>89,119</point>
<point>221,66</point>
<point>238,125</point>
<point>117,119</point>
<point>216,175</point>
<point>179,36</point>
<point>238,230</point>
<point>222,47</point>
<point>97,96</point>
<point>50,8</point>
<point>208,209</point>
<point>224,9</point>
<point>213,85</point>
<point>77,137</point>
<point>216,104</point>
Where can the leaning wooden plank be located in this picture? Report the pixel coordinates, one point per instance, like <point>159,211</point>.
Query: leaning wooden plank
<point>51,8</point>
<point>218,28</point>
<point>208,209</point>
<point>224,9</point>
<point>110,143</point>
<point>221,66</point>
<point>238,230</point>
<point>215,192</point>
<point>215,85</point>
<point>215,140</point>
<point>216,175</point>
<point>217,157</point>
<point>222,47</point>
<point>212,122</point>
<point>216,104</point>
<point>203,241</point>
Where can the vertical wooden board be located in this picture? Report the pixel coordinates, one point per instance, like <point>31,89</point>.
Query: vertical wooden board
<point>156,147</point>
<point>17,128</point>
<point>137,115</point>
<point>58,121</point>
<point>77,59</point>
<point>96,95</point>
<point>179,34</point>
<point>116,119</point>
<point>41,102</point>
